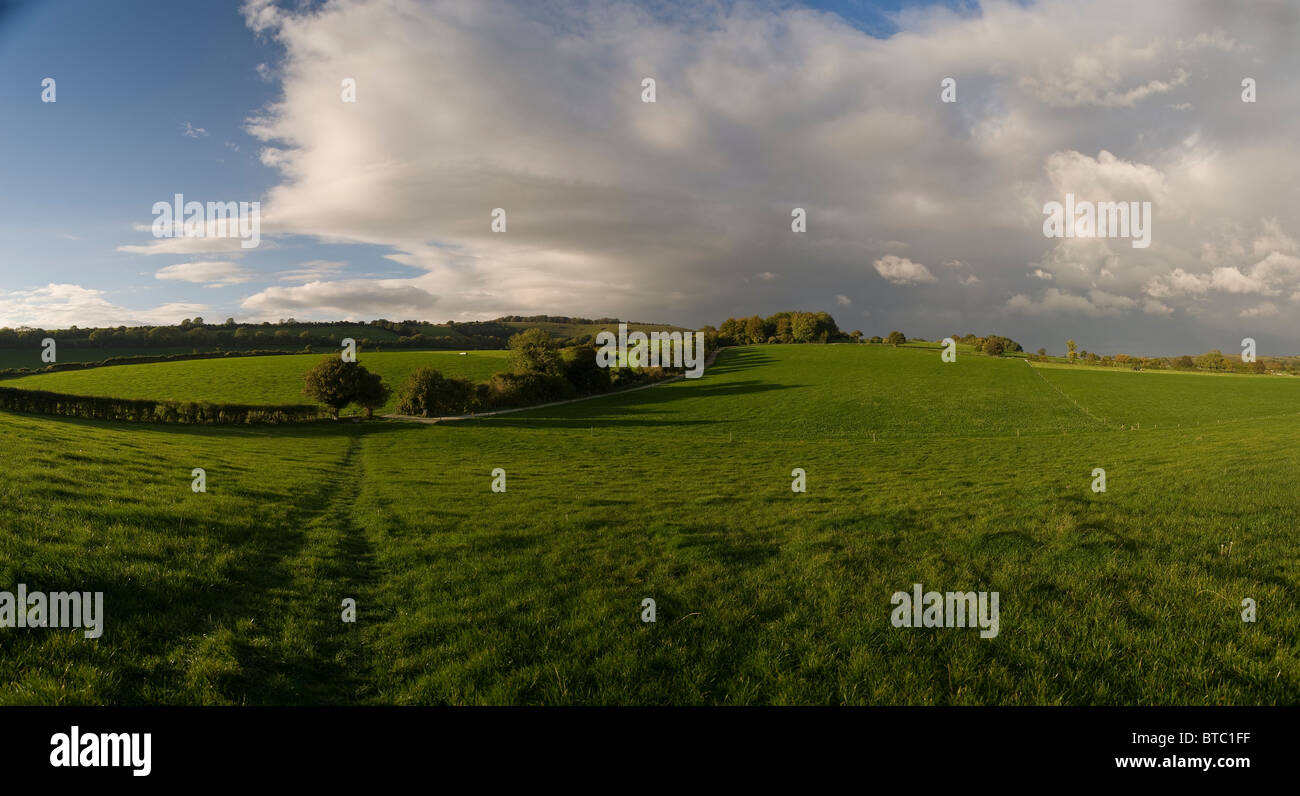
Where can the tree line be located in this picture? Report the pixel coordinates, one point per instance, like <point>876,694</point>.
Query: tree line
<point>782,327</point>
<point>1214,361</point>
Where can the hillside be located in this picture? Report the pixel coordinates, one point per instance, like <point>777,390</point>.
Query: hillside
<point>974,475</point>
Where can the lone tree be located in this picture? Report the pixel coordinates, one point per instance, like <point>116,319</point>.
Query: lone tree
<point>336,384</point>
<point>896,339</point>
<point>993,347</point>
<point>535,351</point>
<point>1072,348</point>
<point>1042,352</point>
<point>371,391</point>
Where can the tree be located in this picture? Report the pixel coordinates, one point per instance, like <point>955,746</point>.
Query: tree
<point>896,339</point>
<point>1042,352</point>
<point>535,351</point>
<point>371,392</point>
<point>1212,360</point>
<point>1072,346</point>
<point>856,335</point>
<point>756,330</point>
<point>1184,363</point>
<point>993,347</point>
<point>336,384</point>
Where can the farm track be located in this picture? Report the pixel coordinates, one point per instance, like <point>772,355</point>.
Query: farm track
<point>317,657</point>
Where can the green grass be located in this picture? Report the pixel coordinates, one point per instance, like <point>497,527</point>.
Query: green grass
<point>271,380</point>
<point>764,596</point>
<point>1177,398</point>
<point>812,391</point>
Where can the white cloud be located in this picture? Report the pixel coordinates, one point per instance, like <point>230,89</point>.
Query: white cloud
<point>902,271</point>
<point>614,204</point>
<point>190,131</point>
<point>1053,301</point>
<point>312,271</point>
<point>211,273</point>
<point>60,305</point>
<point>353,298</point>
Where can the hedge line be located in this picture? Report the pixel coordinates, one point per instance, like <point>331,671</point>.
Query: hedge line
<point>143,359</point>
<point>147,411</point>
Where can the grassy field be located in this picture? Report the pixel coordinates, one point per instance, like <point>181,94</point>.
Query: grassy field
<point>267,380</point>
<point>977,478</point>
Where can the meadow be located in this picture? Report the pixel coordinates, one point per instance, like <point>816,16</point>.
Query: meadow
<point>269,380</point>
<point>972,476</point>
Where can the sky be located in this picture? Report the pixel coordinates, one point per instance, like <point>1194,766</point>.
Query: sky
<point>921,215</point>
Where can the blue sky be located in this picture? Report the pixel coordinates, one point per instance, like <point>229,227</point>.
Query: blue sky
<point>922,215</point>
<point>152,98</point>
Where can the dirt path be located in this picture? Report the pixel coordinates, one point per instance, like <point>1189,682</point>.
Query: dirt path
<point>707,362</point>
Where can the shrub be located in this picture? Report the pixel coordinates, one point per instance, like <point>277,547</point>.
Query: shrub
<point>427,392</point>
<point>509,390</point>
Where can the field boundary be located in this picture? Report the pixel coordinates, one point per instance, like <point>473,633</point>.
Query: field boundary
<point>1067,397</point>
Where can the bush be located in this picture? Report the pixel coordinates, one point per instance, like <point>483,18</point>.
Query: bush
<point>427,392</point>
<point>510,390</point>
<point>148,411</point>
<point>583,373</point>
